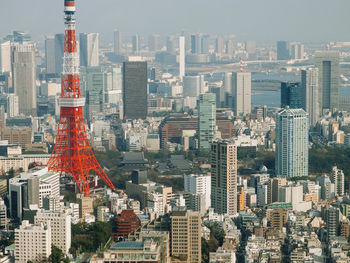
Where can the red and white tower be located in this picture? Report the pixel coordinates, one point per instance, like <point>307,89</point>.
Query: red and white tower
<point>72,153</point>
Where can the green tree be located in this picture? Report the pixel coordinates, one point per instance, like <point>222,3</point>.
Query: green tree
<point>56,255</point>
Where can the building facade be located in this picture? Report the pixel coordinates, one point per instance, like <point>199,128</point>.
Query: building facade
<point>241,90</point>
<point>310,94</point>
<point>206,120</point>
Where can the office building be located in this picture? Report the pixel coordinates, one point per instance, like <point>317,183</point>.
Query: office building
<point>292,143</point>
<point>291,194</point>
<point>135,44</point>
<point>274,187</point>
<point>296,51</point>
<point>113,86</point>
<point>250,47</point>
<point>229,47</point>
<point>310,94</point>
<point>85,205</point>
<point>198,184</point>
<point>12,108</point>
<point>241,92</point>
<point>337,178</point>
<point>117,42</point>
<point>60,224</point>
<point>282,50</point>
<point>205,44</point>
<point>59,53</point>
<point>193,85</point>
<point>332,221</point>
<point>3,214</point>
<point>89,49</point>
<point>126,223</point>
<point>5,57</point>
<point>171,44</point>
<point>24,76</point>
<point>224,177</point>
<point>262,194</point>
<point>50,56</point>
<point>21,36</point>
<point>227,99</point>
<point>182,57</point>
<point>291,95</point>
<point>278,218</point>
<point>32,242</point>
<point>327,63</point>
<point>219,45</point>
<point>17,135</point>
<point>206,120</point>
<point>196,44</point>
<point>153,43</point>
<point>135,90</point>
<point>186,235</point>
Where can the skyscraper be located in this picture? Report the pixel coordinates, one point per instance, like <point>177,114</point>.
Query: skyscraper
<point>196,44</point>
<point>292,144</point>
<point>186,235</point>
<point>153,42</point>
<point>310,94</point>
<point>182,57</point>
<point>282,50</point>
<point>135,44</point>
<point>12,105</point>
<point>50,57</point>
<point>224,177</point>
<point>229,47</point>
<point>206,120</point>
<point>117,42</point>
<point>219,47</point>
<point>291,95</point>
<point>192,85</point>
<point>205,44</point>
<point>337,178</point>
<point>332,220</point>
<point>227,90</point>
<point>171,44</point>
<point>198,184</point>
<point>89,49</point>
<point>5,57</point>
<point>135,90</point>
<point>241,91</point>
<point>250,47</point>
<point>327,63</point>
<point>59,53</point>
<point>296,51</point>
<point>24,76</point>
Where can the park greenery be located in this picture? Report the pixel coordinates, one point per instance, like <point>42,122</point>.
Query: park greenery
<point>217,235</point>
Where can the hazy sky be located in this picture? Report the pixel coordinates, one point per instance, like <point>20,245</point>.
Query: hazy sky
<point>261,20</point>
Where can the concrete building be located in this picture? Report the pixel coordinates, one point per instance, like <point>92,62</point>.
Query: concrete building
<point>278,218</point>
<point>274,187</point>
<point>291,194</point>
<point>241,92</point>
<point>296,51</point>
<point>50,56</point>
<point>3,214</point>
<point>282,50</point>
<point>310,94</point>
<point>24,76</point>
<point>85,205</point>
<point>186,235</point>
<point>59,53</point>
<point>135,90</point>
<point>12,108</point>
<point>182,57</point>
<point>337,178</point>
<point>32,242</point>
<point>89,49</point>
<point>224,177</point>
<point>117,42</point>
<point>192,85</point>
<point>5,57</point>
<point>327,63</point>
<point>332,220</point>
<point>135,44</point>
<point>292,143</point>
<point>206,120</point>
<point>198,184</point>
<point>60,224</point>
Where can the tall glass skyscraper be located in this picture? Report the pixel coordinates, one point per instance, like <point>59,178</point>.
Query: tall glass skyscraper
<point>291,95</point>
<point>292,143</point>
<point>310,91</point>
<point>206,120</point>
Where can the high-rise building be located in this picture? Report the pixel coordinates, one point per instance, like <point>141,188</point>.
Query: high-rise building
<point>3,214</point>
<point>171,44</point>
<point>117,42</point>
<point>291,194</point>
<point>219,47</point>
<point>250,47</point>
<point>153,43</point>
<point>126,223</point>
<point>182,57</point>
<point>24,76</point>
<point>186,235</point>
<point>227,99</point>
<point>291,95</point>
<point>241,200</point>
<point>59,53</point>
<point>274,186</point>
<point>21,37</point>
<point>282,50</point>
<point>229,47</point>
<point>192,85</point>
<point>5,57</point>
<point>241,91</point>
<point>296,51</point>
<point>206,120</point>
<point>337,178</point>
<point>310,94</point>
<point>114,85</point>
<point>50,56</point>
<point>89,49</point>
<point>292,144</point>
<point>12,105</point>
<point>135,44</point>
<point>60,223</point>
<point>205,44</point>
<point>135,90</point>
<point>32,242</point>
<point>327,63</point>
<point>278,217</point>
<point>224,177</point>
<point>332,220</point>
<point>198,184</point>
<point>85,205</point>
<point>196,44</point>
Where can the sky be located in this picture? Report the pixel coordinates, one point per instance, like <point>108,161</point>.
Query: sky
<point>260,20</point>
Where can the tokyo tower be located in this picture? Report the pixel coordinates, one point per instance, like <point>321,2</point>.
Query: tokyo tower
<point>72,153</point>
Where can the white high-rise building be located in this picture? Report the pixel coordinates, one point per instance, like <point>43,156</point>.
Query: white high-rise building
<point>12,105</point>
<point>3,214</point>
<point>198,184</point>
<point>241,92</point>
<point>182,57</point>
<point>5,57</point>
<point>117,42</point>
<point>24,76</point>
<point>337,178</point>
<point>310,94</point>
<point>224,177</point>
<point>60,223</point>
<point>292,143</point>
<point>89,50</point>
<point>50,56</point>
<point>32,242</point>
<point>296,51</point>
<point>291,194</point>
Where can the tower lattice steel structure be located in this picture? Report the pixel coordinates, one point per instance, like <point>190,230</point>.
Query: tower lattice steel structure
<point>72,153</point>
